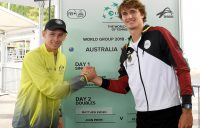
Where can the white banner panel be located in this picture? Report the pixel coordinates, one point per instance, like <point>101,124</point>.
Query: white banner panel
<point>95,37</point>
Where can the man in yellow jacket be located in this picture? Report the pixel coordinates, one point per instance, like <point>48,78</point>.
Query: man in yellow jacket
<point>42,81</point>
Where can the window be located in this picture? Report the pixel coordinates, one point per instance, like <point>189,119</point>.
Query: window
<point>16,50</point>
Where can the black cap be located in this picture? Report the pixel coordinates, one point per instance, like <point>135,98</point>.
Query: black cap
<point>54,24</point>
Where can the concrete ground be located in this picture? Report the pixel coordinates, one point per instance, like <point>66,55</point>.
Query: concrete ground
<point>7,103</point>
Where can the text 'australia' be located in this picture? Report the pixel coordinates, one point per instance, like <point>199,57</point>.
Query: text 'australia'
<point>101,49</point>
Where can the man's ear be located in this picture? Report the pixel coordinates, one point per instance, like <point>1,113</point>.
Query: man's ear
<point>64,36</point>
<point>43,33</point>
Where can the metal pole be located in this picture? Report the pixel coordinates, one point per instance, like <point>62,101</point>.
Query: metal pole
<point>49,9</point>
<point>198,108</point>
<point>180,24</point>
<point>2,62</point>
<point>41,16</point>
<point>57,11</point>
<point>1,65</point>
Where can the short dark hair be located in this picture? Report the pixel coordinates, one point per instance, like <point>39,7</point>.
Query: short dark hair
<point>126,4</point>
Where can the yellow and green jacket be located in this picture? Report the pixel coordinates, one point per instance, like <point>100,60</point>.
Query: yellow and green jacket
<point>42,86</point>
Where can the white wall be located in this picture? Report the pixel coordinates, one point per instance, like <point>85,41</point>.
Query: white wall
<point>191,32</point>
<point>191,37</point>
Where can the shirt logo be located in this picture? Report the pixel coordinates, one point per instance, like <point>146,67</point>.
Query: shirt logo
<point>147,44</point>
<point>59,22</point>
<point>61,68</point>
<point>49,69</point>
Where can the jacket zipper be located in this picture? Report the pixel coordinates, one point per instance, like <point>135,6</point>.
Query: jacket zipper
<point>142,80</point>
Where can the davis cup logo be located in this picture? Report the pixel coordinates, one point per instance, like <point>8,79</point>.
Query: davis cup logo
<point>110,12</point>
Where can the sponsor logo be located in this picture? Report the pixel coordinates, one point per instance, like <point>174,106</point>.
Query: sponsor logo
<point>147,44</point>
<point>51,69</point>
<point>58,21</point>
<point>76,13</point>
<point>61,68</point>
<point>111,18</point>
<point>101,49</point>
<point>71,49</point>
<point>166,13</point>
<point>110,12</point>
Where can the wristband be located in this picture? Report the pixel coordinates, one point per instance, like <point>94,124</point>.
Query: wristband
<point>187,106</point>
<point>84,78</point>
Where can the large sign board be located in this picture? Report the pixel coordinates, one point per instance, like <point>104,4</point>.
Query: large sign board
<point>95,37</point>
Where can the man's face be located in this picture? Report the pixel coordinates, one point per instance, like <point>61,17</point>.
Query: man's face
<point>53,39</point>
<point>132,18</point>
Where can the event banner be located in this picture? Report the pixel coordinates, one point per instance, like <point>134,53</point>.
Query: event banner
<point>95,37</point>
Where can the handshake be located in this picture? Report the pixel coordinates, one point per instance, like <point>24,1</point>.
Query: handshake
<point>89,73</point>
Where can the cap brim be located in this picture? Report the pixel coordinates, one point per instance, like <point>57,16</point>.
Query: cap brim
<point>57,27</point>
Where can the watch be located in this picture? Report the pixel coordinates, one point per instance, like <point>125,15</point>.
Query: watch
<point>187,106</point>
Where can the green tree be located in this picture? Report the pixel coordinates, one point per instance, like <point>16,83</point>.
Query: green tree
<point>30,12</point>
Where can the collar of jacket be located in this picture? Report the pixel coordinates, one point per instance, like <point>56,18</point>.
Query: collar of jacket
<point>130,50</point>
<point>43,47</point>
<point>145,28</point>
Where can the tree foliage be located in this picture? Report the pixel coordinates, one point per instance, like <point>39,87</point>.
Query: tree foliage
<point>30,12</point>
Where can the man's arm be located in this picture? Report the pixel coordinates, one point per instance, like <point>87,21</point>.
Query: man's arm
<point>35,71</point>
<point>180,65</point>
<point>184,79</point>
<point>118,86</point>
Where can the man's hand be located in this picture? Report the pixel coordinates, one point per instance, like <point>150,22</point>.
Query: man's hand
<point>186,119</point>
<point>60,123</point>
<point>89,72</point>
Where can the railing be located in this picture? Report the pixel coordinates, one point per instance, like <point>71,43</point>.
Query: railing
<point>198,93</point>
<point>10,79</point>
